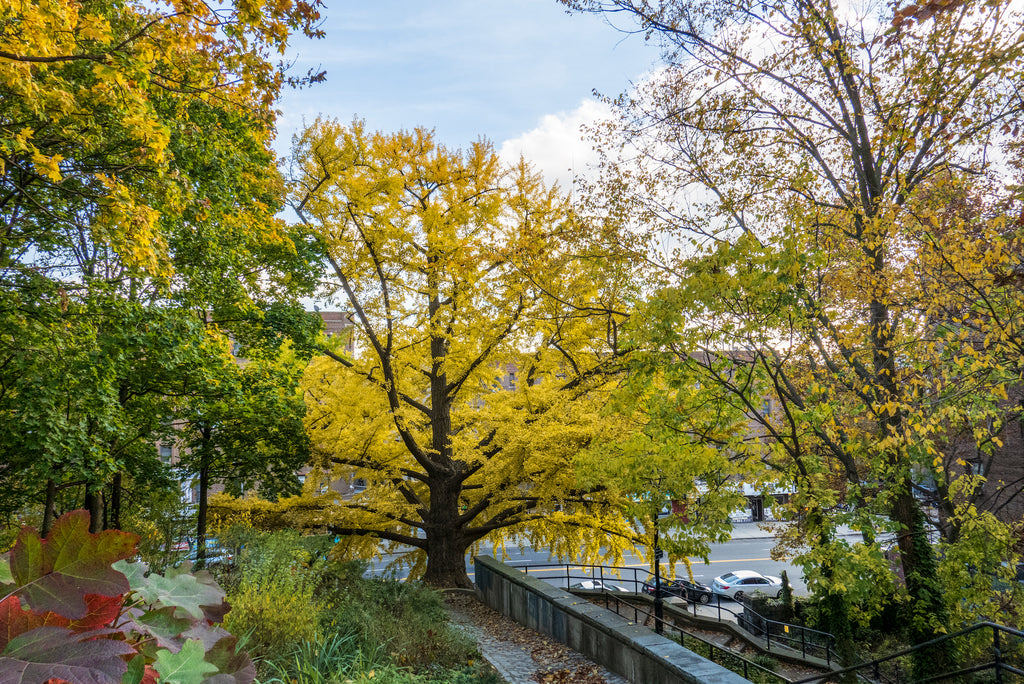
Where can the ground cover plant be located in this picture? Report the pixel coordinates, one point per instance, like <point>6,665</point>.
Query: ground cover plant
<point>74,610</point>
<point>310,619</point>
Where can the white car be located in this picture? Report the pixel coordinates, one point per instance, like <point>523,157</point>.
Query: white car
<point>740,583</point>
<point>597,585</point>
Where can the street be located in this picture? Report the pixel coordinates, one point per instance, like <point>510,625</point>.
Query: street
<point>740,553</point>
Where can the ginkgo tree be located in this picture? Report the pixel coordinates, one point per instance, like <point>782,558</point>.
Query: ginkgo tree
<point>799,154</point>
<point>471,389</point>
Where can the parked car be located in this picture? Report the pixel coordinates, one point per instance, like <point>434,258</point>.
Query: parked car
<point>691,591</point>
<point>215,554</point>
<point>597,585</point>
<point>739,583</point>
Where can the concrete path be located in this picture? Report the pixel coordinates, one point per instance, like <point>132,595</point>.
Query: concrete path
<point>520,655</point>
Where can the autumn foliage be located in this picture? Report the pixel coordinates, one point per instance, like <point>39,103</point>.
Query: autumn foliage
<point>75,611</point>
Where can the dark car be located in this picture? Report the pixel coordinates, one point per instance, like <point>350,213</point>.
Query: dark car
<point>691,591</point>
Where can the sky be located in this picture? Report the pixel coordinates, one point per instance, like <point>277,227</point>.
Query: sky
<point>519,72</point>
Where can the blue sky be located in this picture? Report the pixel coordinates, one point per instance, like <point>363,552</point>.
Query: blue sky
<point>519,72</point>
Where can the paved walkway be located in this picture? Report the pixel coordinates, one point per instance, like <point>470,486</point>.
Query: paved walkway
<point>520,655</point>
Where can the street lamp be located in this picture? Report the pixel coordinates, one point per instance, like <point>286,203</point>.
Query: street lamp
<point>658,602</point>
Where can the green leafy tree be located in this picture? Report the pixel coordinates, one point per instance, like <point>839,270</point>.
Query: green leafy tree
<point>245,429</point>
<point>138,193</point>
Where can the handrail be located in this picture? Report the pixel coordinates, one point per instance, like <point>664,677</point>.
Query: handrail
<point>808,641</point>
<point>998,663</point>
<point>746,664</point>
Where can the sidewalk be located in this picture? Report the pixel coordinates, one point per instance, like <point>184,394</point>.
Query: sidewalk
<point>520,655</point>
<point>752,530</point>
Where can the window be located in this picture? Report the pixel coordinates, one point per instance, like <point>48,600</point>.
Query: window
<point>512,380</point>
<point>165,453</point>
<point>359,484</point>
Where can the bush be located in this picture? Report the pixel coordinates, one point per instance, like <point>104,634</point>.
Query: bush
<point>336,658</point>
<point>72,607</point>
<point>407,619</point>
<point>274,604</point>
<point>310,619</point>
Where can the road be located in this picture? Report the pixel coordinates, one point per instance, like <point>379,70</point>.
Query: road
<point>737,554</point>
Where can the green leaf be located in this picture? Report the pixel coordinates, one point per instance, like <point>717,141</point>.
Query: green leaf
<point>48,653</point>
<point>136,670</point>
<point>163,625</point>
<point>187,666</point>
<point>183,591</point>
<point>5,572</point>
<point>135,573</point>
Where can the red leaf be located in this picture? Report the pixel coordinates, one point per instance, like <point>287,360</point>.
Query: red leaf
<point>15,620</point>
<point>56,574</point>
<point>102,611</point>
<point>47,653</point>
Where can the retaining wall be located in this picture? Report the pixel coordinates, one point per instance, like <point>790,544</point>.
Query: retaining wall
<point>624,647</point>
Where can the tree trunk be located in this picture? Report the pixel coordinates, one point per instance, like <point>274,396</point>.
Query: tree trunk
<point>115,502</point>
<point>94,504</point>
<point>920,572</point>
<point>446,545</point>
<point>204,484</point>
<point>446,561</point>
<point>48,512</point>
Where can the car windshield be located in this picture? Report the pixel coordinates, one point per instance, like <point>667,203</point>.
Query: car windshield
<point>729,577</point>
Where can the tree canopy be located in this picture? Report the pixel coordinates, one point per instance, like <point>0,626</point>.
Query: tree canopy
<point>806,160</point>
<point>138,201</point>
<point>472,388</point>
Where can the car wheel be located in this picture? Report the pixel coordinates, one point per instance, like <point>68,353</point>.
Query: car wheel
<point>738,596</point>
<point>779,595</point>
<point>704,598</point>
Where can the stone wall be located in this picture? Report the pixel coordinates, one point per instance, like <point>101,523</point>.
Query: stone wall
<point>624,647</point>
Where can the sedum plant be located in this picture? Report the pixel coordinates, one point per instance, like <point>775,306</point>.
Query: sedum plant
<point>74,610</point>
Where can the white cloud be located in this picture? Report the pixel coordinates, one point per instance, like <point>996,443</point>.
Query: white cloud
<point>556,146</point>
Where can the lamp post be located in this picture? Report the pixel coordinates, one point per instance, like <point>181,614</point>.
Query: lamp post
<point>656,483</point>
<point>658,604</point>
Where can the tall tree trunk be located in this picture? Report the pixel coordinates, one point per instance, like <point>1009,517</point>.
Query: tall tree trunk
<point>94,504</point>
<point>204,484</point>
<point>115,502</point>
<point>48,510</point>
<point>446,561</point>
<point>446,544</point>
<point>833,607</point>
<point>920,571</point>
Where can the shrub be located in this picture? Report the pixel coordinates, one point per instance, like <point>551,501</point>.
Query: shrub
<point>73,610</point>
<point>407,619</point>
<point>274,603</point>
<point>336,658</point>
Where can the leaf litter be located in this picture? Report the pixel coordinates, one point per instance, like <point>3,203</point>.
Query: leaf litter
<point>555,663</point>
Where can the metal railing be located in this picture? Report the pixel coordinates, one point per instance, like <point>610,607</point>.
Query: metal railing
<point>785,638</point>
<point>809,642</point>
<point>1006,662</point>
<point>714,652</point>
